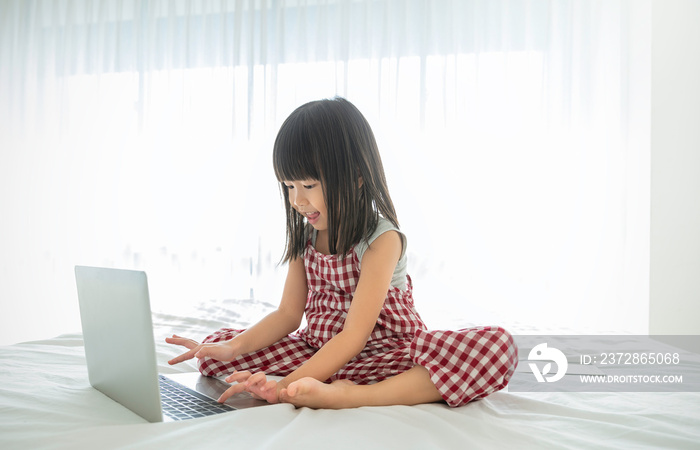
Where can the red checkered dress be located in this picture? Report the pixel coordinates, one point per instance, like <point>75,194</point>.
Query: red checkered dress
<point>464,365</point>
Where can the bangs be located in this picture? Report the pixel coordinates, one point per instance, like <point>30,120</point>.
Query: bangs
<point>293,155</point>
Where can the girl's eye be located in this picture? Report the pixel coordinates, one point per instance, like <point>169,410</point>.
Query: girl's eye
<point>305,186</point>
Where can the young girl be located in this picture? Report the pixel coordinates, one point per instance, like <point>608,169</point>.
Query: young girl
<point>365,343</point>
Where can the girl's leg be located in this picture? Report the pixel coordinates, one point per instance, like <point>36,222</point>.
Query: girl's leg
<point>281,358</point>
<point>454,366</point>
<point>466,364</point>
<point>412,387</point>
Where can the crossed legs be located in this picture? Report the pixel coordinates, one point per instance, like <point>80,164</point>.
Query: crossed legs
<point>412,387</point>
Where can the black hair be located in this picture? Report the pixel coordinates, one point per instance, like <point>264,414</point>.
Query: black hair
<point>331,141</point>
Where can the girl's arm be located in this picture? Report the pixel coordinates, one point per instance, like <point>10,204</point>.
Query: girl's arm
<point>273,327</point>
<point>378,264</point>
<point>285,319</point>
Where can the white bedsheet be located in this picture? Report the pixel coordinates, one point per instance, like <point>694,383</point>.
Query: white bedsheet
<point>47,402</point>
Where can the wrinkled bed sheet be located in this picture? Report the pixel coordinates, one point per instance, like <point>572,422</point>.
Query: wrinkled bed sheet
<point>46,401</point>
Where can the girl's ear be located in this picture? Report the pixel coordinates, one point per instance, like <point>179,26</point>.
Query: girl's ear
<point>359,182</point>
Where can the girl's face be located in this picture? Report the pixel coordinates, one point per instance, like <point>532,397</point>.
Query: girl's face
<point>306,196</point>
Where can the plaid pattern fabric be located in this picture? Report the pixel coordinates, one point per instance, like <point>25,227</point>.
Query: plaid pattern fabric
<point>288,354</point>
<point>332,281</point>
<point>464,365</point>
<point>467,364</point>
<point>281,358</point>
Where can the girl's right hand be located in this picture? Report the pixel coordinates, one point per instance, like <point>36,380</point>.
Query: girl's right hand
<point>220,351</point>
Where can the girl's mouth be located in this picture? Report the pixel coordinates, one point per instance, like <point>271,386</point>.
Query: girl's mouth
<point>312,217</point>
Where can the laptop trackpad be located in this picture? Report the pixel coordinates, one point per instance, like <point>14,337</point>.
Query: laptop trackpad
<point>213,388</point>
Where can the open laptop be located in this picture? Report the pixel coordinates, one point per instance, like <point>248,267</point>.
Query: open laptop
<point>120,351</point>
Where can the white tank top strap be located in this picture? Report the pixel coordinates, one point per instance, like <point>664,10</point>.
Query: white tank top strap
<point>399,278</point>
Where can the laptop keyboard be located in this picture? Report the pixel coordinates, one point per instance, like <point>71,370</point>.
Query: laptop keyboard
<point>180,402</point>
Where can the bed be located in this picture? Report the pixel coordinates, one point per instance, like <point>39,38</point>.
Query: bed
<point>47,402</point>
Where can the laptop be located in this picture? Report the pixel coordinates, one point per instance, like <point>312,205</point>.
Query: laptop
<point>120,351</point>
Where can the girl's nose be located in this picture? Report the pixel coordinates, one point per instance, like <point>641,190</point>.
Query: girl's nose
<point>300,200</point>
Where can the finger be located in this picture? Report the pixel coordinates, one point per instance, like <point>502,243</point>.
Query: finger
<point>184,357</point>
<point>256,396</point>
<point>215,351</point>
<point>210,350</point>
<point>257,379</point>
<point>238,377</point>
<point>291,390</point>
<point>284,396</point>
<point>267,391</point>
<point>230,392</point>
<point>271,384</point>
<point>177,340</point>
<point>270,391</point>
<point>187,343</point>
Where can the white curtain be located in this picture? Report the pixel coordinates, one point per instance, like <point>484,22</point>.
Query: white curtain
<point>138,134</point>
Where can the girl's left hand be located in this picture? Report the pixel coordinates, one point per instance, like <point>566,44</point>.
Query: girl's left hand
<point>257,384</point>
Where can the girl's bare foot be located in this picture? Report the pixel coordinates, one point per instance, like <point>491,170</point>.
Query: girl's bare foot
<point>408,388</point>
<point>315,394</point>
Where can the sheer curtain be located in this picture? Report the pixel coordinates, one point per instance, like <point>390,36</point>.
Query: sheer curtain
<point>138,134</point>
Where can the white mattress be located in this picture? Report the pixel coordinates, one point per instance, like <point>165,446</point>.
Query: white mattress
<point>47,402</point>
